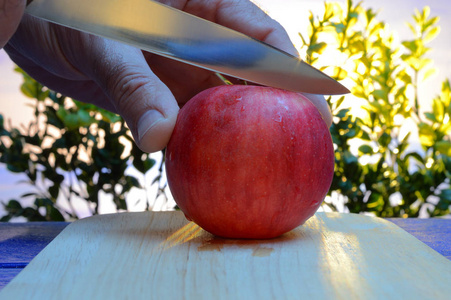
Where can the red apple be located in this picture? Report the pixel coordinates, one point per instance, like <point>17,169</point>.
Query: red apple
<point>249,161</point>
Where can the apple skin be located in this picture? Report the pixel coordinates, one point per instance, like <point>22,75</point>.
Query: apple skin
<point>249,162</point>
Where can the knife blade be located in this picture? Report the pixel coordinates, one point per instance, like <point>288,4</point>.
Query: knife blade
<point>163,30</point>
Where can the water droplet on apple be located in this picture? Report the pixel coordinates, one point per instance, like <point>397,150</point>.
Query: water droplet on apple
<point>318,202</point>
<point>283,104</point>
<point>233,100</point>
<point>278,118</point>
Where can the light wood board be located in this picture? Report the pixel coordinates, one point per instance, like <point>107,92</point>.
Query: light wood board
<point>160,255</point>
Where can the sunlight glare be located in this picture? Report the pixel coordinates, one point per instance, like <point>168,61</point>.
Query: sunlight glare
<point>182,235</point>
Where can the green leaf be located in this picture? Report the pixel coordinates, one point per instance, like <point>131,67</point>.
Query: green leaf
<point>380,94</point>
<point>13,205</point>
<point>71,121</point>
<point>302,38</point>
<point>349,158</point>
<point>339,73</point>
<point>28,195</point>
<point>416,156</point>
<point>430,116</point>
<point>412,28</point>
<point>384,140</point>
<point>405,77</point>
<point>61,113</point>
<point>438,109</point>
<point>132,182</point>
<point>366,149</point>
<point>60,143</point>
<point>43,202</point>
<point>446,195</point>
<point>42,95</point>
<point>84,118</point>
<point>426,12</point>
<point>432,34</point>
<point>31,88</point>
<point>431,22</point>
<point>339,101</point>
<point>427,134</point>
<point>375,202</point>
<point>52,117</point>
<point>365,136</point>
<point>316,48</point>
<point>353,15</point>
<point>55,215</point>
<point>6,218</point>
<point>143,164</point>
<point>443,147</point>
<point>428,73</point>
<point>342,113</point>
<point>339,27</point>
<point>411,45</point>
<point>54,190</point>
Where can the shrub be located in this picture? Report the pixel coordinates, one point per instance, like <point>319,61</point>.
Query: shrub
<point>387,175</point>
<point>70,150</point>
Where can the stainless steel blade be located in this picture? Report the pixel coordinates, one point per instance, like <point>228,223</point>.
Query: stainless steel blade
<point>163,30</point>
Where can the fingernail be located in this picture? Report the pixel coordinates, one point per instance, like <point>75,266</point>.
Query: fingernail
<point>148,120</point>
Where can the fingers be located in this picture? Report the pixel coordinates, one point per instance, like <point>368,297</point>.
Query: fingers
<point>321,104</point>
<point>245,17</point>
<point>109,74</point>
<point>11,12</point>
<point>184,81</point>
<point>138,95</point>
<point>82,90</point>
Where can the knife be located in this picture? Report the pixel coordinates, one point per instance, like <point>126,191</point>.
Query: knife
<point>163,30</point>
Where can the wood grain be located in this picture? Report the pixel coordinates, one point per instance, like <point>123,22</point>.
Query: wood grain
<point>161,256</point>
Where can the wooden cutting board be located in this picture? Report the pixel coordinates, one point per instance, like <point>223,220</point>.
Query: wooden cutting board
<point>160,255</point>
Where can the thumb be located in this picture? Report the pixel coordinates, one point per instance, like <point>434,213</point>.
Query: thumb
<point>11,12</point>
<point>146,104</point>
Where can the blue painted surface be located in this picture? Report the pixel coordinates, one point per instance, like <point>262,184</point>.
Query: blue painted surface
<point>434,232</point>
<point>21,242</point>
<point>6,275</point>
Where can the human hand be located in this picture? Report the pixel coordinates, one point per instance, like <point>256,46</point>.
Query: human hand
<point>145,89</point>
<point>11,12</point>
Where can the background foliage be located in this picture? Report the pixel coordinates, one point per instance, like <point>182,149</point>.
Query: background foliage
<point>75,150</point>
<point>70,150</point>
<point>390,174</point>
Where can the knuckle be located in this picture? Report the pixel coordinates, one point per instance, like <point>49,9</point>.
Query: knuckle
<point>127,88</point>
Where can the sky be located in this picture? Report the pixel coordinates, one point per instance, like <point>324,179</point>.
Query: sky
<point>293,15</point>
